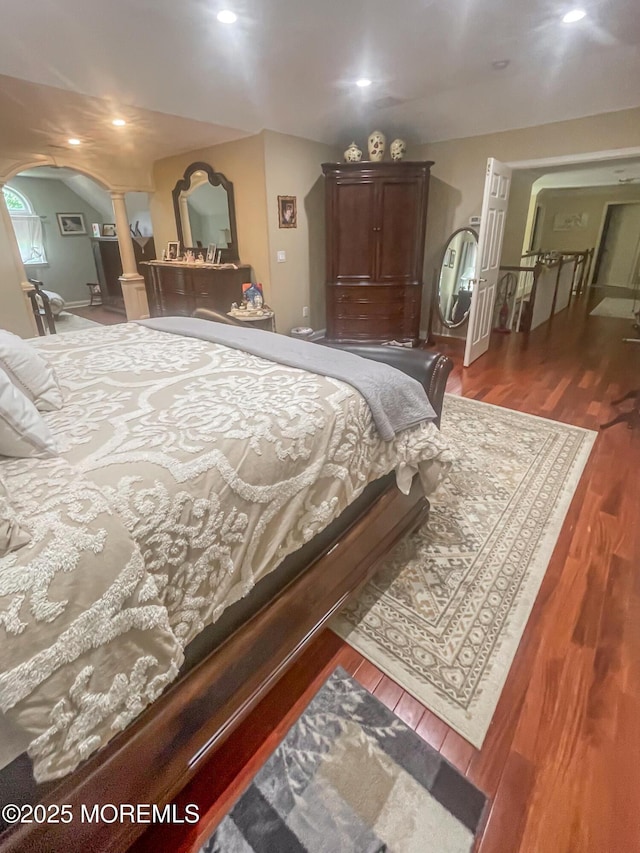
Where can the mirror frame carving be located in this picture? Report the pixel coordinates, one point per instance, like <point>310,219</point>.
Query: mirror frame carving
<point>447,323</point>
<point>216,179</point>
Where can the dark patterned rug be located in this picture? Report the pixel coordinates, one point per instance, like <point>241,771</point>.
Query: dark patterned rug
<point>350,777</point>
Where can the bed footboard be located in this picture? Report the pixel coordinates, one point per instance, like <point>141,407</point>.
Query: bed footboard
<point>154,758</point>
<point>430,368</point>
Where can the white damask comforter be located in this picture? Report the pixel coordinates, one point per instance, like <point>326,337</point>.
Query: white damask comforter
<point>187,471</point>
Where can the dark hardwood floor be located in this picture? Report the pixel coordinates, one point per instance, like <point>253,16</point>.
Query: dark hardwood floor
<point>99,315</point>
<point>561,761</point>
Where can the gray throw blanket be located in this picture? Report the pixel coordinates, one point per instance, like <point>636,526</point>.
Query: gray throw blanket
<point>397,401</point>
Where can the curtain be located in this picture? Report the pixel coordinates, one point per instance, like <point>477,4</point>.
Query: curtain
<point>29,234</point>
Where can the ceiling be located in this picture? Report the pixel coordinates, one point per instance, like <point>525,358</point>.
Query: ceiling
<point>40,119</point>
<point>291,66</point>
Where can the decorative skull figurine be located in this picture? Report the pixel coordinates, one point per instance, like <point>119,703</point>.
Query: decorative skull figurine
<point>398,149</point>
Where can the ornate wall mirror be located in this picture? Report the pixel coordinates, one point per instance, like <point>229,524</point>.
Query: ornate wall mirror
<point>205,211</point>
<point>455,279</point>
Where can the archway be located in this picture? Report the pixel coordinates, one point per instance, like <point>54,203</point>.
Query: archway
<point>73,243</point>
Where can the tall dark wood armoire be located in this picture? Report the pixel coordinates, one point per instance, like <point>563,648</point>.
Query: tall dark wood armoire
<point>376,217</point>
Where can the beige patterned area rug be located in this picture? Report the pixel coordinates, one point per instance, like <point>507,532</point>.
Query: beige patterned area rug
<point>445,615</point>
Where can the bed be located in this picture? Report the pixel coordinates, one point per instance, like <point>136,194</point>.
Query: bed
<point>207,511</point>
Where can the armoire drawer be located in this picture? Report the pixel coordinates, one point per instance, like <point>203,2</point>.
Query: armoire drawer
<point>373,328</point>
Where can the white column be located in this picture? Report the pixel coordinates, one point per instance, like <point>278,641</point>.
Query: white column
<point>135,297</point>
<point>16,314</point>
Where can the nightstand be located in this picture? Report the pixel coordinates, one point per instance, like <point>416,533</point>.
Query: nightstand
<point>265,321</point>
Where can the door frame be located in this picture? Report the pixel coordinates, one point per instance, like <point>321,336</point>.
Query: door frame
<point>573,159</point>
<point>599,242</point>
<point>536,225</point>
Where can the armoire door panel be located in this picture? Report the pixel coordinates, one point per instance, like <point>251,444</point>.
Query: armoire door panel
<point>397,237</point>
<point>354,235</point>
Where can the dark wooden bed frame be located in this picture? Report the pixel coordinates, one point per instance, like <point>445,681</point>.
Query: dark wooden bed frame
<point>157,755</point>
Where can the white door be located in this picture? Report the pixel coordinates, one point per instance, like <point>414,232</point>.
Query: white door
<point>494,214</point>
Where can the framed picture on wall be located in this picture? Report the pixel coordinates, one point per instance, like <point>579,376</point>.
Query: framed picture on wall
<point>570,221</point>
<point>287,211</point>
<point>71,224</point>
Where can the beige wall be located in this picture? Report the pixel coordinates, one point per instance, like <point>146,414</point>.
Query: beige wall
<point>589,200</point>
<point>262,167</point>
<point>458,173</point>
<point>293,167</point>
<point>242,162</point>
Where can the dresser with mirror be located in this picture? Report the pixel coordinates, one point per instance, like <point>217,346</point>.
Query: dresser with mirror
<point>204,208</point>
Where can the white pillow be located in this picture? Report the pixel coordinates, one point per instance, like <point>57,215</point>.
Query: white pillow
<point>12,536</point>
<point>22,430</point>
<point>29,372</point>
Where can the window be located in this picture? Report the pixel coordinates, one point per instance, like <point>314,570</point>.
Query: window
<point>27,226</point>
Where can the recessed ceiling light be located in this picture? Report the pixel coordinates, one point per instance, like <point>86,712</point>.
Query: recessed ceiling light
<point>226,16</point>
<point>363,82</point>
<point>118,122</point>
<point>73,141</point>
<point>500,64</point>
<point>573,16</point>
